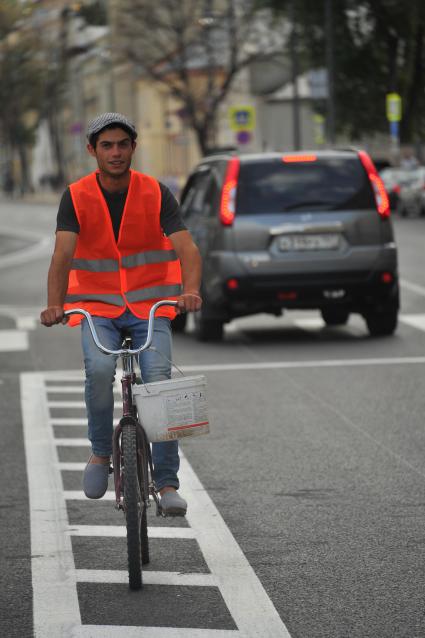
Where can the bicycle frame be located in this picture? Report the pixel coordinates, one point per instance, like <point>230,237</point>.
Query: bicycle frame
<point>129,417</point>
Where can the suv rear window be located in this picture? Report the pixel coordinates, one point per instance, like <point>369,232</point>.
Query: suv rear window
<point>274,186</point>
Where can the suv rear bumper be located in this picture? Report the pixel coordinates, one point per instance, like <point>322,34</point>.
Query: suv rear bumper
<point>234,295</point>
<point>317,290</point>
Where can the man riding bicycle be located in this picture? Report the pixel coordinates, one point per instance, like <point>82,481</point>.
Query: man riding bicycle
<point>121,245</point>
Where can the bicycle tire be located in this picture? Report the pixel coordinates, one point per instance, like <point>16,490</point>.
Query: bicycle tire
<point>144,540</point>
<point>143,444</point>
<point>133,506</point>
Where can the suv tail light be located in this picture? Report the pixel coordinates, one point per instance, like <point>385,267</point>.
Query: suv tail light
<point>228,194</point>
<point>289,159</point>
<point>381,197</point>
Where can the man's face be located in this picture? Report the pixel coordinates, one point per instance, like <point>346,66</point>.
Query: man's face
<point>113,152</point>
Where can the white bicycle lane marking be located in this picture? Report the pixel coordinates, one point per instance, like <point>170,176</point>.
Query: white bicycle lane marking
<point>55,578</point>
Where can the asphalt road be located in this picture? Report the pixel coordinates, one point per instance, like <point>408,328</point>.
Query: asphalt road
<point>314,463</point>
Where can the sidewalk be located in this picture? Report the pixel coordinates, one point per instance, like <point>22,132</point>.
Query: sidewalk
<point>39,198</point>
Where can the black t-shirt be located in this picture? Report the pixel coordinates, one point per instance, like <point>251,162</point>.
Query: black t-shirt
<point>170,216</point>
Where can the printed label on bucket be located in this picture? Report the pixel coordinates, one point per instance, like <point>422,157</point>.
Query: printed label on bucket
<point>186,412</point>
<point>173,408</point>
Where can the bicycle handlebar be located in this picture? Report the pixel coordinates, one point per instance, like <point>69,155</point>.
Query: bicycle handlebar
<point>145,346</point>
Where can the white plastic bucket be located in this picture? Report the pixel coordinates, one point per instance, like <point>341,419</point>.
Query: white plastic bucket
<point>173,409</point>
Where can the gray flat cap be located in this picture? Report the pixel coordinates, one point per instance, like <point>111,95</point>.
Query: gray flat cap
<point>106,119</point>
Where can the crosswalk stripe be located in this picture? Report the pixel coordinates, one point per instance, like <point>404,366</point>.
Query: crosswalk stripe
<point>74,404</point>
<point>78,495</point>
<point>149,577</point>
<point>72,442</point>
<point>72,421</point>
<point>117,631</point>
<point>120,531</point>
<point>70,389</point>
<point>13,340</point>
<point>71,467</point>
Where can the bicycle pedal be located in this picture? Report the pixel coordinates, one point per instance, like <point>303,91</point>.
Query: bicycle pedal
<point>159,511</point>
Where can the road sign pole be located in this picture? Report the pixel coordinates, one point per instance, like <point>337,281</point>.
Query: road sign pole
<point>393,109</point>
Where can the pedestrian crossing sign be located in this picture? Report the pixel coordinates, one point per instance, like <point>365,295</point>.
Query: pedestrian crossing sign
<point>393,104</point>
<point>242,118</point>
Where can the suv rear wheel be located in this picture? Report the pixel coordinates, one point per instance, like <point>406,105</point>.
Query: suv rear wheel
<point>207,329</point>
<point>335,316</point>
<point>383,321</point>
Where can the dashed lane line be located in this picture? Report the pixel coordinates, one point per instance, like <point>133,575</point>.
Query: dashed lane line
<point>416,321</point>
<point>412,287</point>
<point>56,608</point>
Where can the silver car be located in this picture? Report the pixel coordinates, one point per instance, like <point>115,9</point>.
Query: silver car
<point>411,200</point>
<point>305,230</point>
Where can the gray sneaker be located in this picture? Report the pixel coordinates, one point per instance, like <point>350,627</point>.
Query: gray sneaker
<point>95,479</point>
<point>172,504</point>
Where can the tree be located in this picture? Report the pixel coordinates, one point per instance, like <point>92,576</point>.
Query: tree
<point>195,48</point>
<point>20,87</point>
<point>379,47</point>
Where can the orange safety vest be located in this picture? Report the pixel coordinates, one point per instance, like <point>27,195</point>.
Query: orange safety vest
<point>137,270</point>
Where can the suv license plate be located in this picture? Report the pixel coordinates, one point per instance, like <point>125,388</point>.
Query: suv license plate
<point>309,242</point>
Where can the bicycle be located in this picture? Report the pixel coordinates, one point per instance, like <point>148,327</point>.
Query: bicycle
<point>131,454</point>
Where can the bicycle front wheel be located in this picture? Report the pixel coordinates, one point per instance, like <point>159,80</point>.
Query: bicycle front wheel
<point>133,505</point>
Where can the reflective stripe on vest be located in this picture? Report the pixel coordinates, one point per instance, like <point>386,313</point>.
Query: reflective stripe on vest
<point>148,257</point>
<point>96,265</point>
<point>129,261</point>
<point>115,300</point>
<point>143,294</point>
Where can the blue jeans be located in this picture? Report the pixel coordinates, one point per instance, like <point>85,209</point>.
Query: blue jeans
<point>100,375</point>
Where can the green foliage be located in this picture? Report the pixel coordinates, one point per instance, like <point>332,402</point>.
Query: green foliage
<point>94,13</point>
<point>21,79</point>
<point>379,47</point>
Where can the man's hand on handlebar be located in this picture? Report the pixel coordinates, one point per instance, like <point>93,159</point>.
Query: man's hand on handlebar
<point>188,302</point>
<point>52,315</point>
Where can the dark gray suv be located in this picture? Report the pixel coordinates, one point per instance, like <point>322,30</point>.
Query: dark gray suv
<point>305,230</point>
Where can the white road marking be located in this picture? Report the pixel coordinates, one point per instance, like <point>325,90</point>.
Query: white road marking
<point>416,321</point>
<point>120,531</point>
<point>68,421</point>
<point>309,323</point>
<point>248,603</point>
<point>27,323</point>
<point>72,442</point>
<point>78,495</point>
<point>55,601</point>
<point>149,578</point>
<point>74,404</point>
<point>317,363</point>
<point>56,611</point>
<point>13,340</point>
<point>72,421</point>
<point>63,375</point>
<point>276,365</point>
<point>43,247</point>
<point>412,287</point>
<point>70,389</point>
<point>117,631</point>
<point>71,467</point>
